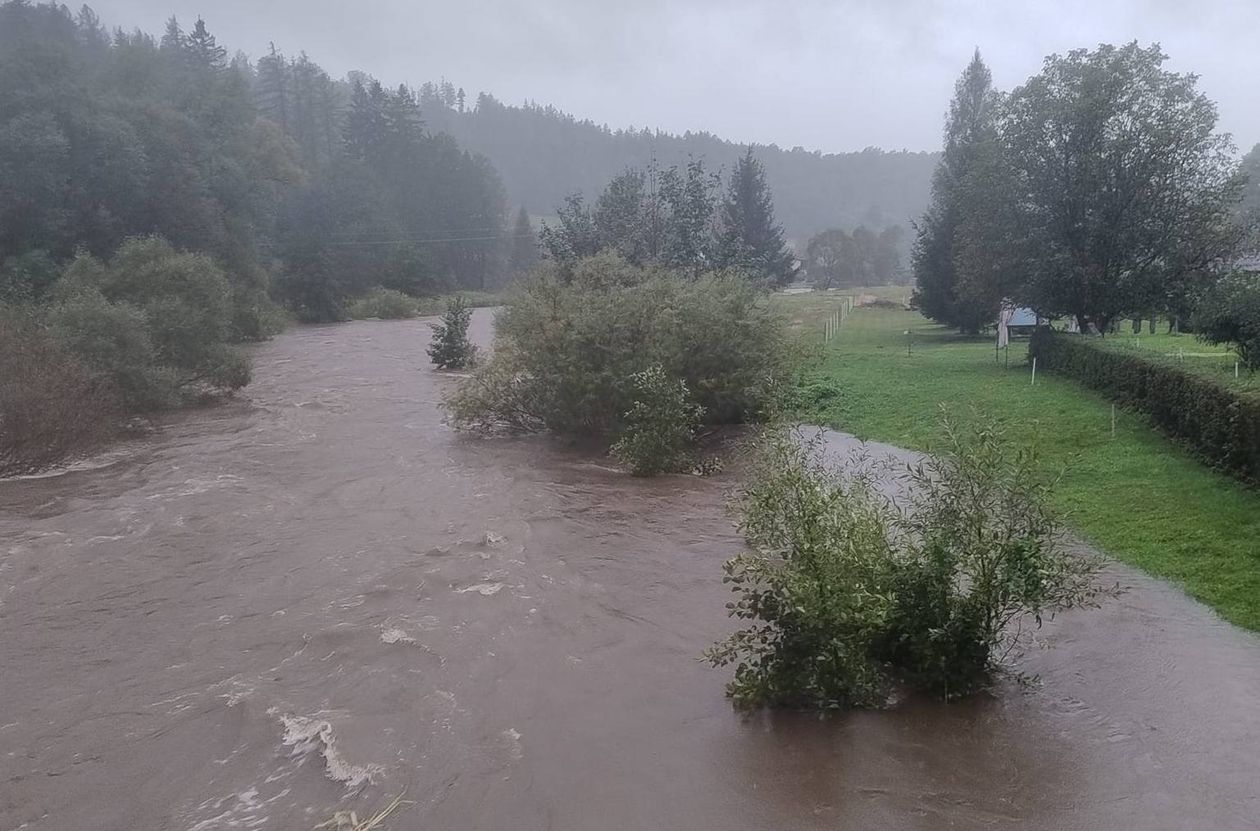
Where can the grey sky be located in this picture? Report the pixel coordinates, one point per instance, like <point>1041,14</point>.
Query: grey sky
<point>834,76</point>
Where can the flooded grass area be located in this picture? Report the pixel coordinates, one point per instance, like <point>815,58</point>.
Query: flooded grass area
<point>318,597</point>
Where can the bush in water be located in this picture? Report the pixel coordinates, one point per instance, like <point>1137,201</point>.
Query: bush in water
<point>451,348</point>
<point>982,557</point>
<point>51,405</point>
<point>386,304</point>
<point>566,350</point>
<point>846,590</point>
<point>812,584</point>
<point>155,320</point>
<point>661,426</point>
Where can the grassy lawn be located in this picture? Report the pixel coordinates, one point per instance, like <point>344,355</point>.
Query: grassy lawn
<point>1137,496</point>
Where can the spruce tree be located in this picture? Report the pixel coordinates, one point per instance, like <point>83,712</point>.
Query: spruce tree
<point>969,131</point>
<point>203,50</point>
<point>524,247</point>
<point>173,39</point>
<point>749,237</point>
<point>450,348</point>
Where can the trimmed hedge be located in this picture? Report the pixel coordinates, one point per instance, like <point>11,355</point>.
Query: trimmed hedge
<point>1219,425</point>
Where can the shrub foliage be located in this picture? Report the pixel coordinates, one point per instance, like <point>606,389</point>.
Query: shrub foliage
<point>1219,425</point>
<point>385,304</point>
<point>567,350</point>
<point>1230,313</point>
<point>661,426</point>
<point>51,405</point>
<point>845,590</point>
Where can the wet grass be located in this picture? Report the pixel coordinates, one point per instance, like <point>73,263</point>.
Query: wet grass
<point>1136,495</point>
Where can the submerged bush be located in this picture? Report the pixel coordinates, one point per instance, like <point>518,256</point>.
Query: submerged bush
<point>984,556</point>
<point>847,590</point>
<point>51,405</point>
<point>566,351</point>
<point>386,304</point>
<point>451,348</point>
<point>812,585</point>
<point>156,321</point>
<point>661,426</point>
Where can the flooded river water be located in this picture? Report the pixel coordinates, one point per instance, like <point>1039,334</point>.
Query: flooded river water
<point>317,597</point>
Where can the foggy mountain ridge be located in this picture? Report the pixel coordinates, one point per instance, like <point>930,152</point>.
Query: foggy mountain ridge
<point>543,154</point>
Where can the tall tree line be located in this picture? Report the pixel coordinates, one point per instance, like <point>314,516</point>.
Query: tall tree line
<point>273,168</point>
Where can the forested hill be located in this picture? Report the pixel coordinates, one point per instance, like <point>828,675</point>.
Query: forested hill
<point>543,154</point>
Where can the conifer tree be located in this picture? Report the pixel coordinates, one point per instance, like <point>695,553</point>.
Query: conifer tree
<point>749,237</point>
<point>524,248</point>
<point>970,131</point>
<point>203,50</point>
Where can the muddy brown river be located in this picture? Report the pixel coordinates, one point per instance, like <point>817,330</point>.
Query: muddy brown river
<point>317,597</point>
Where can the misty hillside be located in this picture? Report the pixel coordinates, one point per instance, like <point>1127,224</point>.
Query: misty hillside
<point>543,154</point>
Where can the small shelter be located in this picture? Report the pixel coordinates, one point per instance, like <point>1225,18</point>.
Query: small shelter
<point>1015,321</point>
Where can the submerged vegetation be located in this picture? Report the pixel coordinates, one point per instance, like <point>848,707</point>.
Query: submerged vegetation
<point>846,590</point>
<point>567,349</point>
<point>151,328</point>
<point>451,348</point>
<point>660,427</point>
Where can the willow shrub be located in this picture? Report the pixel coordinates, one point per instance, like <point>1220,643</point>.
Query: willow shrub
<point>660,426</point>
<point>52,406</point>
<point>157,321</point>
<point>566,352</point>
<point>844,590</point>
<point>383,304</point>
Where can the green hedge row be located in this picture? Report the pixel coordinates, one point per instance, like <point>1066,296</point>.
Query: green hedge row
<point>1219,425</point>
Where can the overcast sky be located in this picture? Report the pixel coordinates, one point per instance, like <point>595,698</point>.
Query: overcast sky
<point>838,75</point>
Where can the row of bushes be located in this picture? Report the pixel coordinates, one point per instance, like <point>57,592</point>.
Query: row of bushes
<point>614,347</point>
<point>150,329</point>
<point>1218,424</point>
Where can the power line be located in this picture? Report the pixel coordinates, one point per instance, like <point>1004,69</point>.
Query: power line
<point>418,241</point>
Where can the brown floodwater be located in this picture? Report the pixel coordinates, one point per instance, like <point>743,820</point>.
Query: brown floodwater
<point>318,596</point>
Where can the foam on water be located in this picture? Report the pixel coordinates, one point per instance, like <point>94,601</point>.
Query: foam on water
<point>309,734</point>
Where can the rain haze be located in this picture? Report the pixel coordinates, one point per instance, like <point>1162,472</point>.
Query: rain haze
<point>567,415</point>
<point>831,76</point>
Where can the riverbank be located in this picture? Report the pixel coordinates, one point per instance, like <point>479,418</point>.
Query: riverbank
<point>1134,494</point>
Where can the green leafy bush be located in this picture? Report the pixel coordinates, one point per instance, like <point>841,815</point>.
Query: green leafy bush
<point>386,304</point>
<point>566,351</point>
<point>845,589</point>
<point>113,339</point>
<point>812,585</point>
<point>451,348</point>
<point>1230,313</point>
<point>155,320</point>
<point>983,553</point>
<point>1218,424</point>
<point>660,428</point>
<point>51,405</point>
